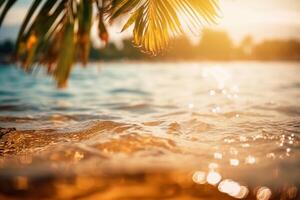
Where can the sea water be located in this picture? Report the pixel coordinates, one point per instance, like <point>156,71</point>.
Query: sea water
<point>152,131</point>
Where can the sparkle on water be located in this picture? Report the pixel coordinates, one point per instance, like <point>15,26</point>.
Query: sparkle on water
<point>152,131</point>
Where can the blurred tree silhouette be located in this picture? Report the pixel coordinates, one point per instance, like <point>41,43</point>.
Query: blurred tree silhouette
<point>183,49</point>
<point>215,45</point>
<point>244,51</point>
<point>277,50</point>
<point>6,51</point>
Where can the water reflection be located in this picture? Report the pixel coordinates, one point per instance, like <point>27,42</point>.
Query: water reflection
<point>292,192</point>
<point>212,93</point>
<point>213,166</point>
<point>230,187</point>
<point>263,193</point>
<point>21,182</point>
<point>141,125</point>
<point>250,160</point>
<point>78,156</point>
<point>218,155</point>
<point>199,177</point>
<point>233,189</point>
<point>234,162</point>
<point>233,151</point>
<point>213,177</point>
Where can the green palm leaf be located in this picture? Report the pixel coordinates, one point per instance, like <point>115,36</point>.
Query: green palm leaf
<point>85,10</point>
<point>65,56</point>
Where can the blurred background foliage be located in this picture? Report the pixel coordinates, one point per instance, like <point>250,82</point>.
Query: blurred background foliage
<point>212,46</point>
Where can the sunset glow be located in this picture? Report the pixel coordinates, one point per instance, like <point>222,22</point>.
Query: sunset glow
<point>259,18</point>
<point>150,99</point>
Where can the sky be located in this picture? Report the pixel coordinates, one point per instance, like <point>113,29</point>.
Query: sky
<point>259,18</point>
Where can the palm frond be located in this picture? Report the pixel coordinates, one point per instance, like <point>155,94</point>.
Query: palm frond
<point>65,56</point>
<point>29,15</point>
<point>56,33</point>
<point>156,22</point>
<point>7,5</point>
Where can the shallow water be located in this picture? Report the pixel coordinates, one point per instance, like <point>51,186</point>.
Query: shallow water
<point>152,131</point>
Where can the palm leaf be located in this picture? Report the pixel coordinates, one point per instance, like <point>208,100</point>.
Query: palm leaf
<point>2,2</point>
<point>50,35</point>
<point>84,27</point>
<point>28,17</point>
<point>8,5</point>
<point>66,55</point>
<point>39,31</point>
<point>156,22</point>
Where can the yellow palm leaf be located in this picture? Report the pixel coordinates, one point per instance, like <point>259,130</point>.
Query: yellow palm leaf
<point>156,22</point>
